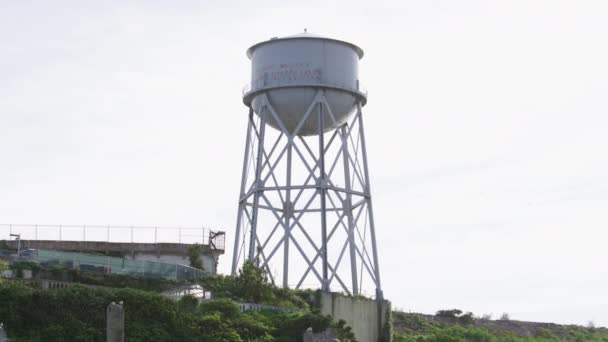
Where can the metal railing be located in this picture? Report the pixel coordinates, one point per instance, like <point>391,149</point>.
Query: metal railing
<point>260,307</point>
<point>261,85</point>
<point>108,233</point>
<point>193,290</point>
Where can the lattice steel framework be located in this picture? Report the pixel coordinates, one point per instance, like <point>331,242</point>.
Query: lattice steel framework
<point>311,193</point>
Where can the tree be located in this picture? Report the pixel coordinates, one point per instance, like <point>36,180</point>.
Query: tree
<point>252,283</point>
<point>454,313</point>
<point>194,254</point>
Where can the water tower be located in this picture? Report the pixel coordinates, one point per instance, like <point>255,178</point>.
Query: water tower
<point>305,207</point>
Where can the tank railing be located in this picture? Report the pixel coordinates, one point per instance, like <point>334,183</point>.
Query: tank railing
<point>260,85</point>
<point>109,233</point>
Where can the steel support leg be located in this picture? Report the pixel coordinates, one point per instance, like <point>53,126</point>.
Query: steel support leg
<point>258,187</point>
<point>323,193</point>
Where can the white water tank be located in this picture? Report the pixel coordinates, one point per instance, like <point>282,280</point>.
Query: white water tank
<point>290,71</point>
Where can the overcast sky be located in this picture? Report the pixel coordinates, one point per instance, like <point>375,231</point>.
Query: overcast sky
<point>487,132</point>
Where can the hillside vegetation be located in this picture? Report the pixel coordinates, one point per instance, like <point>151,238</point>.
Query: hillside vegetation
<point>78,313</point>
<point>454,326</point>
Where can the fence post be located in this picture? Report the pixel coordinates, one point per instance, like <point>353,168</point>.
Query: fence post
<point>84,233</point>
<point>155,234</point>
<point>180,234</point>
<point>131,234</point>
<point>202,235</point>
<point>36,234</point>
<point>59,232</point>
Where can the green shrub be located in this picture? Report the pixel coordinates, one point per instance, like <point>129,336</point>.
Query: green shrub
<point>3,266</point>
<point>78,314</point>
<point>19,266</point>
<point>454,313</point>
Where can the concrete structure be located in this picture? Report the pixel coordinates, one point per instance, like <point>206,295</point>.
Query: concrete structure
<point>115,330</point>
<point>3,337</point>
<point>170,253</point>
<point>367,317</point>
<point>305,207</point>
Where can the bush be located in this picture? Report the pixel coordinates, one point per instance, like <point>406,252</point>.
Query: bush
<point>78,314</point>
<point>19,266</point>
<point>454,313</point>
<point>466,318</point>
<point>252,285</point>
<point>3,266</point>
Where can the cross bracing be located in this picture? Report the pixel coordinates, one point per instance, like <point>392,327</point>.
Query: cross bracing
<point>305,208</point>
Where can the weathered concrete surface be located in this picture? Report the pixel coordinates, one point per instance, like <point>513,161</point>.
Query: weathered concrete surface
<point>3,337</point>
<point>366,317</point>
<point>171,253</point>
<point>115,331</point>
<point>117,247</point>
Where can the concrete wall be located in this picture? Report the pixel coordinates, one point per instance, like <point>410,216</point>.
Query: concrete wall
<point>170,253</point>
<point>365,316</point>
<point>208,260</point>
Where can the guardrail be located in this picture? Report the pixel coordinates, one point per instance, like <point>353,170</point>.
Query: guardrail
<point>108,233</point>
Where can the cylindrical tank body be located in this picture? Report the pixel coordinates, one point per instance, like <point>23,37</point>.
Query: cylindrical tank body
<point>291,70</point>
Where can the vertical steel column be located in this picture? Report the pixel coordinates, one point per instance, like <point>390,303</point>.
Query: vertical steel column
<point>257,185</point>
<point>322,188</point>
<point>242,200</point>
<point>348,202</point>
<point>372,228</point>
<point>287,213</point>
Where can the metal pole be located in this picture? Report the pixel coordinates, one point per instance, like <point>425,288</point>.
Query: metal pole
<point>242,201</point>
<point>372,228</point>
<point>348,210</point>
<point>155,234</point>
<point>131,234</point>
<point>36,234</point>
<point>84,233</point>
<point>60,232</point>
<point>322,188</point>
<point>258,186</point>
<point>180,234</point>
